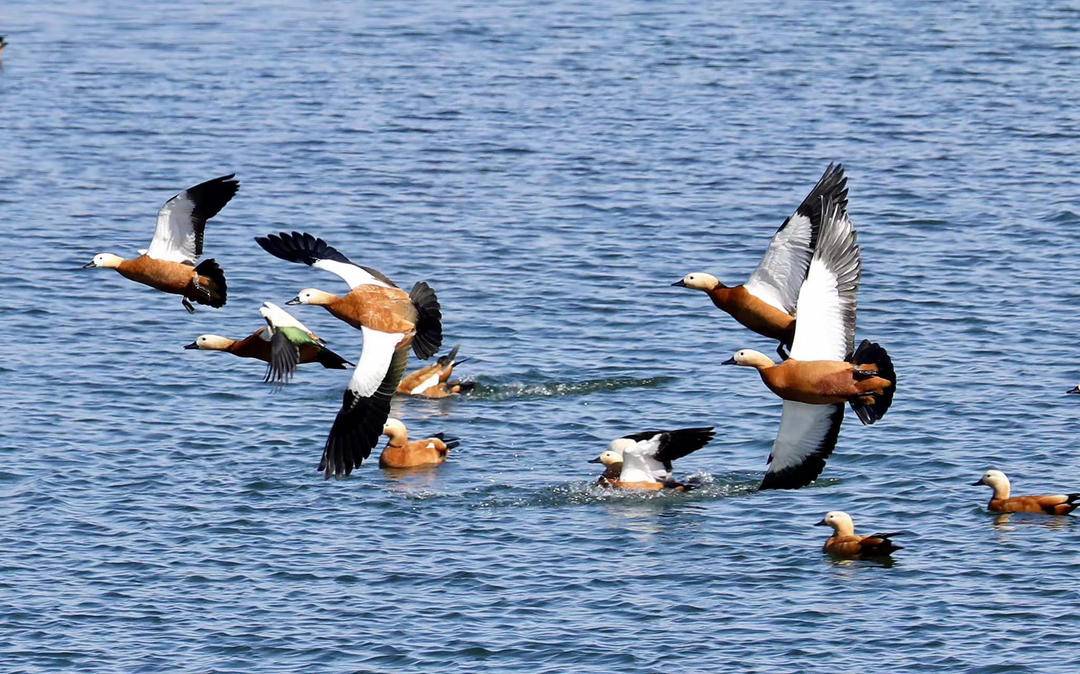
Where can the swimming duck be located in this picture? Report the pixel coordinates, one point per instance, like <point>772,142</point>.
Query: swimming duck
<point>644,460</point>
<point>1001,502</point>
<point>400,453</point>
<point>433,381</point>
<point>846,543</point>
<point>1075,389</point>
<point>824,371</point>
<point>391,321</point>
<point>3,43</point>
<point>169,263</point>
<point>766,303</point>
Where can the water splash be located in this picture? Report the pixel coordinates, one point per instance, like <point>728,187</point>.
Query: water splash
<point>519,390</point>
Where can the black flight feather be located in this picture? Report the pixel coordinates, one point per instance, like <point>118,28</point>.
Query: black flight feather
<point>208,199</point>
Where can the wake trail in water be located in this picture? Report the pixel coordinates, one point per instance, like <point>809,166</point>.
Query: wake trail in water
<point>548,389</point>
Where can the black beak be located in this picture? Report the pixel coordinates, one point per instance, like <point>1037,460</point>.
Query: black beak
<point>1075,389</point>
<point>822,523</point>
<point>88,265</point>
<point>596,460</point>
<point>680,283</point>
<point>193,345</point>
<point>976,483</point>
<point>729,361</point>
<point>294,301</point>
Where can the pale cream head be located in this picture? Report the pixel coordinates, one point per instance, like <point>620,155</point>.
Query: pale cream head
<point>610,458</point>
<point>620,445</point>
<point>840,522</point>
<point>104,261</point>
<point>394,428</point>
<point>997,481</point>
<point>700,281</point>
<point>750,358</point>
<point>313,296</point>
<point>211,343</point>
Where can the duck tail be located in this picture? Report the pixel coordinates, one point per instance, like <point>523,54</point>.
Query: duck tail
<point>331,360</point>
<point>450,442</point>
<point>216,289</point>
<point>462,386</point>
<point>428,337</point>
<point>870,408</point>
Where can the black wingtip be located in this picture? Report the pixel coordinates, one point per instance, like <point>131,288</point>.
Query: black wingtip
<point>299,247</point>
<point>216,292</point>
<point>832,186</point>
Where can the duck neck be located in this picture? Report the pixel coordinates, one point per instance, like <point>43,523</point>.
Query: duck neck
<point>1001,491</point>
<point>398,437</point>
<point>844,529</point>
<point>720,295</point>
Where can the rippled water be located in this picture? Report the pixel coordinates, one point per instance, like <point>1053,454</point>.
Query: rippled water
<point>550,169</point>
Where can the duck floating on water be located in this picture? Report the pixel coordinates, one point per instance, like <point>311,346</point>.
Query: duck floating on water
<point>399,452</point>
<point>1002,502</point>
<point>766,302</point>
<point>169,263</point>
<point>433,381</point>
<point>644,460</point>
<point>846,543</point>
<point>824,370</point>
<point>391,320</point>
<point>1075,389</point>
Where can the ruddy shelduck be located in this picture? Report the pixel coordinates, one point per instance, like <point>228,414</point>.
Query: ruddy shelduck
<point>288,337</point>
<point>846,543</point>
<point>644,460</point>
<point>1047,504</point>
<point>766,303</point>
<point>169,264</point>
<point>257,346</point>
<point>433,381</point>
<point>399,452</point>
<point>1075,389</point>
<point>824,370</point>
<point>391,321</point>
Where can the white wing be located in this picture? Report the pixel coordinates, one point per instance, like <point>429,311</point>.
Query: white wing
<point>425,385</point>
<point>825,325</point>
<point>374,361</point>
<point>279,318</point>
<point>353,274</point>
<point>182,220</point>
<point>805,440</point>
<point>782,271</point>
<point>640,463</point>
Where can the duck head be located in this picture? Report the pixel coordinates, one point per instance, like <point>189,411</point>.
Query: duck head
<point>312,296</point>
<point>104,261</point>
<point>395,430</point>
<point>210,343</point>
<point>608,457</point>
<point>997,481</point>
<point>698,281</point>
<point>840,522</point>
<point>749,358</point>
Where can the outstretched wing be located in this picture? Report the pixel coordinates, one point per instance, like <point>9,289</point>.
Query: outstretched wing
<point>825,329</point>
<point>805,440</point>
<point>782,271</point>
<point>313,251</point>
<point>284,356</point>
<point>672,445</point>
<point>182,220</point>
<point>365,404</point>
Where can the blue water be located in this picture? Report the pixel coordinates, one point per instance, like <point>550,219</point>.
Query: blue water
<point>550,169</point>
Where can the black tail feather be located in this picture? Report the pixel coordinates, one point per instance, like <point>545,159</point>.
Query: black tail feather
<point>463,386</point>
<point>871,408</point>
<point>429,336</point>
<point>216,292</point>
<point>451,442</point>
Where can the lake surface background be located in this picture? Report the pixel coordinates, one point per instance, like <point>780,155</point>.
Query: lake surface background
<point>550,169</point>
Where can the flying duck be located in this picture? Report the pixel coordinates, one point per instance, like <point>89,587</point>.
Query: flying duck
<point>846,543</point>
<point>824,371</point>
<point>1001,502</point>
<point>257,346</point>
<point>433,381</point>
<point>766,303</point>
<point>169,263</point>
<point>644,460</point>
<point>391,321</point>
<point>400,453</point>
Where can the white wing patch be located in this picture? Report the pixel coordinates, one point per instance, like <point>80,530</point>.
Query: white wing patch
<point>819,330</point>
<point>350,273</point>
<point>640,464</point>
<point>374,361</point>
<point>778,278</point>
<point>174,236</point>
<point>280,318</point>
<point>803,431</point>
<point>425,385</point>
